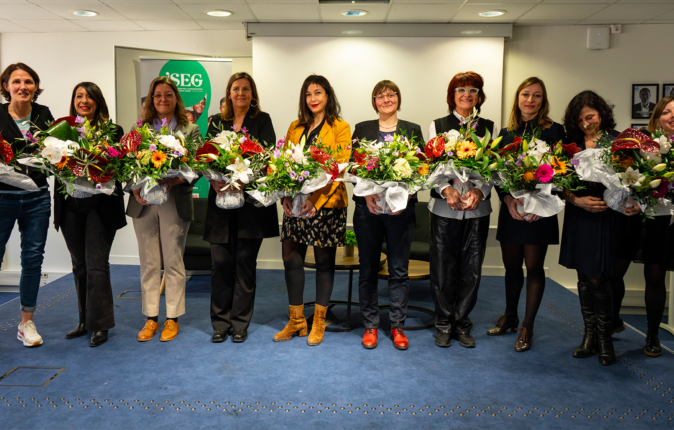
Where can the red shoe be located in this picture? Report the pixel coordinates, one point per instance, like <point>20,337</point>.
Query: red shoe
<point>399,339</point>
<point>370,338</point>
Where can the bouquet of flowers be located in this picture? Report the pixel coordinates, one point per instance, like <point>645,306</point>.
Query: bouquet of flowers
<point>147,156</point>
<point>392,170</point>
<point>8,169</point>
<point>533,170</point>
<point>81,156</point>
<point>294,171</point>
<point>463,158</point>
<point>227,157</point>
<point>633,166</point>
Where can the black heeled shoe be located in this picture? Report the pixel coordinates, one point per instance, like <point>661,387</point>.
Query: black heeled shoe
<point>503,324</point>
<point>653,347</point>
<point>78,331</point>
<point>98,338</point>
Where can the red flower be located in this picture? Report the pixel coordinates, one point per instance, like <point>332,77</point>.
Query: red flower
<point>96,167</point>
<point>250,147</point>
<point>208,148</point>
<point>360,157</point>
<point>512,147</point>
<point>633,138</point>
<point>69,119</point>
<point>6,153</point>
<point>130,142</point>
<point>435,147</point>
<point>332,169</point>
<point>572,149</point>
<point>661,190</point>
<point>319,155</point>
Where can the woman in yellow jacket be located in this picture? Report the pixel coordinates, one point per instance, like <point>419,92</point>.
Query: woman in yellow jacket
<point>322,220</point>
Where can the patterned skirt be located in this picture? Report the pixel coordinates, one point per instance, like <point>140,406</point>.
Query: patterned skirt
<point>326,229</point>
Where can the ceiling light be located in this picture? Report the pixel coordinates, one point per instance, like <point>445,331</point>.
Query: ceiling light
<point>84,13</point>
<point>352,32</point>
<point>472,32</point>
<point>354,12</point>
<point>492,13</point>
<point>219,13</point>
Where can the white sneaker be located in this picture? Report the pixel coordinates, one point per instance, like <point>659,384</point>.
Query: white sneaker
<point>28,334</point>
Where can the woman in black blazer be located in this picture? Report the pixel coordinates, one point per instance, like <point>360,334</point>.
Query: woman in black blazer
<point>20,118</point>
<point>89,226</point>
<point>371,227</point>
<point>236,235</point>
<point>525,240</point>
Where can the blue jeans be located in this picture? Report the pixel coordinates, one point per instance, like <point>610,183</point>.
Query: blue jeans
<point>32,211</point>
<point>370,231</point>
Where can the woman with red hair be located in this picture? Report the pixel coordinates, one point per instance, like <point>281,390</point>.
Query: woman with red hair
<point>459,224</point>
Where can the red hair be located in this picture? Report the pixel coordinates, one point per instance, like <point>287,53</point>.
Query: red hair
<point>462,80</point>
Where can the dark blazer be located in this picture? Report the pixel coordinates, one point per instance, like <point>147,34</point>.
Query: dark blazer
<point>250,222</point>
<point>370,130</point>
<point>109,208</point>
<point>182,192</point>
<point>39,116</point>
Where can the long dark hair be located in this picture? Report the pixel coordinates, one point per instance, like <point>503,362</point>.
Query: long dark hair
<point>333,110</point>
<point>96,95</point>
<point>593,101</point>
<point>228,113</point>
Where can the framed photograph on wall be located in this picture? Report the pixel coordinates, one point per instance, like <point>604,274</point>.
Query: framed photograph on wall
<point>667,90</point>
<point>639,126</point>
<point>644,99</point>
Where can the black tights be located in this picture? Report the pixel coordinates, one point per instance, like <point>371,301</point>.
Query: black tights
<point>654,296</point>
<point>534,258</point>
<point>293,261</point>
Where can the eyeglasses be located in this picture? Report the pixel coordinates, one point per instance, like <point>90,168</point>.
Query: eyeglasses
<point>390,96</point>
<point>167,96</point>
<point>471,91</point>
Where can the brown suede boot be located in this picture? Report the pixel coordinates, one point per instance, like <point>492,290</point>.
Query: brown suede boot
<point>296,324</point>
<point>318,326</point>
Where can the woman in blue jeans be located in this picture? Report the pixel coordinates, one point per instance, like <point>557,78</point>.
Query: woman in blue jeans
<point>18,118</point>
<point>371,227</point>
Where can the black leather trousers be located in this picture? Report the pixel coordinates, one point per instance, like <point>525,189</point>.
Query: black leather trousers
<point>457,252</point>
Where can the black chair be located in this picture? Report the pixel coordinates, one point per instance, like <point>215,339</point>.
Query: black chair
<point>197,255</point>
<point>422,235</point>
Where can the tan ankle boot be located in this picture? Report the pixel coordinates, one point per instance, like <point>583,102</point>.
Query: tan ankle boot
<point>318,327</point>
<point>296,324</point>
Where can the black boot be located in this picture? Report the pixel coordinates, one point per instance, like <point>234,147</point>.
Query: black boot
<point>588,345</point>
<point>98,338</point>
<point>603,306</point>
<point>653,348</point>
<point>78,331</point>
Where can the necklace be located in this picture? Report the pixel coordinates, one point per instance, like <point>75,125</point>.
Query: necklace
<point>388,127</point>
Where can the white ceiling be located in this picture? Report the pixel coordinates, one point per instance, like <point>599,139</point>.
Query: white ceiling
<point>48,16</point>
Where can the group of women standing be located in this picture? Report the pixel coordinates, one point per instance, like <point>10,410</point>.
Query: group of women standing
<point>597,242</point>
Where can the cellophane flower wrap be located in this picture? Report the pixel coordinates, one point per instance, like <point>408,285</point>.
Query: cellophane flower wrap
<point>635,166</point>
<point>228,157</point>
<point>148,156</point>
<point>10,173</point>
<point>391,170</point>
<point>533,169</point>
<point>294,170</point>
<point>81,156</point>
<point>463,159</point>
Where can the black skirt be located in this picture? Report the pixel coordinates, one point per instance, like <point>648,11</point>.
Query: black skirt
<point>545,231</point>
<point>326,229</point>
<point>647,241</point>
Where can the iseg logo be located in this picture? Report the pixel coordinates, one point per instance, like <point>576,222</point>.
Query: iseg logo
<point>185,79</point>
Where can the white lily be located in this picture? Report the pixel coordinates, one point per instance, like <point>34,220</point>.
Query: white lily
<point>665,146</point>
<point>655,183</point>
<point>650,156</point>
<point>631,177</point>
<point>223,142</point>
<point>240,170</point>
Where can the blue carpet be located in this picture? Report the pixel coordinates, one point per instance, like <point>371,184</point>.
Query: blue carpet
<point>192,383</point>
<point>6,297</point>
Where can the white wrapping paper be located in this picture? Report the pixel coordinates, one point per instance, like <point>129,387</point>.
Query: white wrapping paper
<point>155,194</point>
<point>539,202</point>
<point>464,179</point>
<point>393,196</point>
<point>80,188</point>
<point>9,176</point>
<point>229,200</point>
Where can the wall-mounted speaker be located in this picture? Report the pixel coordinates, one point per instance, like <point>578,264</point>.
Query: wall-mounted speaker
<point>598,37</point>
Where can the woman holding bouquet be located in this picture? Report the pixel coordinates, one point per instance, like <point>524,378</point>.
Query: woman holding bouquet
<point>19,119</point>
<point>322,221</point>
<point>591,231</point>
<point>89,226</point>
<point>459,224</point>
<point>525,237</point>
<point>236,235</point>
<point>371,227</point>
<point>161,230</point>
<point>655,238</point>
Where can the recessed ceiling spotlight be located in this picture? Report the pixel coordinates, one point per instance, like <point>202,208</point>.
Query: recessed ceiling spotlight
<point>84,12</point>
<point>471,32</point>
<point>219,13</point>
<point>492,13</point>
<point>354,12</point>
<point>352,32</point>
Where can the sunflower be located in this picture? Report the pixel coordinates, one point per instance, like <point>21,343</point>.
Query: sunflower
<point>423,169</point>
<point>558,165</point>
<point>466,149</point>
<point>158,159</point>
<point>62,164</point>
<point>528,175</point>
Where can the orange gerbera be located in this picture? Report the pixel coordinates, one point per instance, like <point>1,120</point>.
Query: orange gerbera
<point>528,175</point>
<point>558,165</point>
<point>62,164</point>
<point>423,169</point>
<point>623,161</point>
<point>466,149</point>
<point>158,159</point>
